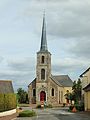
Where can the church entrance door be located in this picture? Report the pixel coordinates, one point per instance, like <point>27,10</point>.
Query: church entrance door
<point>42,96</point>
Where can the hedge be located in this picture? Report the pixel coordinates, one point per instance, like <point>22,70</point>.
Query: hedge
<point>27,113</point>
<point>7,102</point>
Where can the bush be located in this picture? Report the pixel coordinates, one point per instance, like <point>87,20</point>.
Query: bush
<point>77,106</point>
<point>27,113</point>
<point>80,107</point>
<point>71,107</point>
<point>1,102</point>
<point>7,102</point>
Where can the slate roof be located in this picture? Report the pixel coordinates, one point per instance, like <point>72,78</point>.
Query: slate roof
<point>6,86</point>
<point>32,82</point>
<point>55,81</point>
<point>63,80</point>
<point>87,88</point>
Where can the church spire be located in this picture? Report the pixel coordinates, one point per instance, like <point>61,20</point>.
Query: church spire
<point>43,37</point>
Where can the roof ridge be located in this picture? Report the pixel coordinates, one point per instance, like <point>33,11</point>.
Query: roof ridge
<point>56,81</point>
<point>5,80</point>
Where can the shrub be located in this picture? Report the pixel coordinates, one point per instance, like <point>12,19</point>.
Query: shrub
<point>71,107</point>
<point>7,102</point>
<point>77,106</point>
<point>80,107</point>
<point>1,102</point>
<point>27,113</point>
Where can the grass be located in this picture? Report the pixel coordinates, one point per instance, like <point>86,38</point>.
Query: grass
<point>27,113</point>
<point>23,105</point>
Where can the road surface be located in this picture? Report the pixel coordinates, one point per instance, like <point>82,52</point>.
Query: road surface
<point>57,114</point>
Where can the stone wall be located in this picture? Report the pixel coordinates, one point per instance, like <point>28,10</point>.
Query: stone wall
<point>53,99</point>
<point>32,99</point>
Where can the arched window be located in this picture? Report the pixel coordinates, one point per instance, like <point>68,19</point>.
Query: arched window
<point>52,92</point>
<point>42,59</point>
<point>43,74</point>
<point>34,92</point>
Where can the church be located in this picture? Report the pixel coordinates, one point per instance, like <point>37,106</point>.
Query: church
<point>46,87</point>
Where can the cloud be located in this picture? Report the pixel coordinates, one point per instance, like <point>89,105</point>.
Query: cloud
<point>64,18</point>
<point>24,64</point>
<point>1,59</point>
<point>72,20</point>
<point>70,66</point>
<point>81,49</point>
<point>19,78</point>
<point>20,70</point>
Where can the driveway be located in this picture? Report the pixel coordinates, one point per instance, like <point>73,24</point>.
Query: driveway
<point>57,114</point>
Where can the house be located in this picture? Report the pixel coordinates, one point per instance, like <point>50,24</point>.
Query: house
<point>46,87</point>
<point>85,77</point>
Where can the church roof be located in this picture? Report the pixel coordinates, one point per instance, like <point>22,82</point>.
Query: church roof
<point>32,82</point>
<point>63,80</point>
<point>43,47</point>
<point>6,87</point>
<point>55,81</point>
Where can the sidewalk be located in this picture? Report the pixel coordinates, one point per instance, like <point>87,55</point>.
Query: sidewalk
<point>9,117</point>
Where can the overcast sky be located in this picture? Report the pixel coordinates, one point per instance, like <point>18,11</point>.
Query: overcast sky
<point>68,37</point>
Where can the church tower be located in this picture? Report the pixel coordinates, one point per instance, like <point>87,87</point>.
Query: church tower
<point>43,67</point>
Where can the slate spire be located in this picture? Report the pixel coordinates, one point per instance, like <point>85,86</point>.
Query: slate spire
<point>43,37</point>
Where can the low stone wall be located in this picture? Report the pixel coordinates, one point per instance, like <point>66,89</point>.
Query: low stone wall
<point>10,112</point>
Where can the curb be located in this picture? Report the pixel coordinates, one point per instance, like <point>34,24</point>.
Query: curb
<point>10,112</point>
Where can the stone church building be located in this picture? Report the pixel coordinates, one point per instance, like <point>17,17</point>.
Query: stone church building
<point>46,87</point>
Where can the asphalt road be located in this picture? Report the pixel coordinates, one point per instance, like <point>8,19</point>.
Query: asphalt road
<point>57,114</point>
